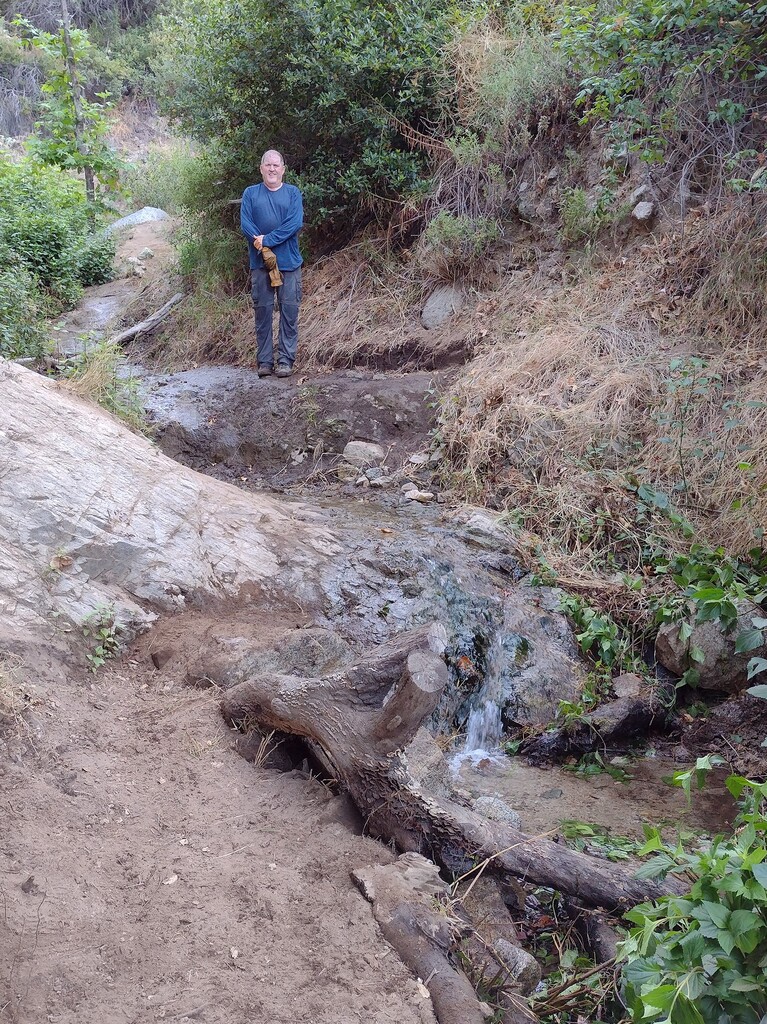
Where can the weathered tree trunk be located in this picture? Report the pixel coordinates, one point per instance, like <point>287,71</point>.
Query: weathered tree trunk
<point>362,717</point>
<point>403,896</point>
<point>150,324</point>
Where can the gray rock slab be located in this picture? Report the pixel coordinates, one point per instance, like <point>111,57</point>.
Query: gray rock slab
<point>142,216</point>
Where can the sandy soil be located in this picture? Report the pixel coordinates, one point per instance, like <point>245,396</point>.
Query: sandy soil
<point>150,873</point>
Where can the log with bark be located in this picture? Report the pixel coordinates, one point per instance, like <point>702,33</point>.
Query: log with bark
<point>151,323</point>
<point>363,717</point>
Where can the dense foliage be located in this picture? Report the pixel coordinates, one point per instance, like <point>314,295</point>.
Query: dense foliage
<point>700,958</point>
<point>330,83</point>
<point>664,70</point>
<point>46,250</point>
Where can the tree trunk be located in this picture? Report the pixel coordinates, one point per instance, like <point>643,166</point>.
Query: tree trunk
<point>362,717</point>
<point>76,90</point>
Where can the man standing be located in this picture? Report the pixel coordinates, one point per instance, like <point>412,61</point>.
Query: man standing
<point>271,215</point>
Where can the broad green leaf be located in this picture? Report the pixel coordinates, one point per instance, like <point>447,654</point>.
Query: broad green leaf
<point>718,914</point>
<point>749,640</point>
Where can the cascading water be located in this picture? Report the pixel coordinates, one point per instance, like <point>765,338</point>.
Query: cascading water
<point>484,727</point>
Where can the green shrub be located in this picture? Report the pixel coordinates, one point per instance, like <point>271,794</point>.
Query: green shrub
<point>96,258</point>
<point>327,82</point>
<point>454,246</point>
<point>699,958</point>
<point>163,179</point>
<point>22,332</point>
<point>45,239</point>
<point>659,70</point>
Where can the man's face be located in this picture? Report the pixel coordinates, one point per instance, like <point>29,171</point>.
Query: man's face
<point>272,170</point>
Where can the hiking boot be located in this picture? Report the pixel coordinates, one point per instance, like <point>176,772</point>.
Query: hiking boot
<point>265,371</point>
<point>283,370</point>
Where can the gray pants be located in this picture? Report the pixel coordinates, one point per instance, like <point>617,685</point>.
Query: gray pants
<point>288,300</point>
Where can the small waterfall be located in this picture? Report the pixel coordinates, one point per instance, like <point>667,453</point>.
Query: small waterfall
<point>485,728</point>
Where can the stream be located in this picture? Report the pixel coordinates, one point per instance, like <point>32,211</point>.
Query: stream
<point>512,656</point>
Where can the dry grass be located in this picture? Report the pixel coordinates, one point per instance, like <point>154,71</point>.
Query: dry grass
<point>715,273</point>
<point>573,396</point>
<point>97,376</point>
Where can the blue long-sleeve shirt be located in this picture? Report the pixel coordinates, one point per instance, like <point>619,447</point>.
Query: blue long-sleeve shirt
<point>278,216</point>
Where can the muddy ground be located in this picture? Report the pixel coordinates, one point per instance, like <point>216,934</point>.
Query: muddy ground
<point>149,872</point>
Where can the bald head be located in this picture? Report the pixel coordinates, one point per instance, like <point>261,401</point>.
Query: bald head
<point>272,169</point>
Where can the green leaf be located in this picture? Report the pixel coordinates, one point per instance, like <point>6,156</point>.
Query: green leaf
<point>717,913</point>
<point>749,640</point>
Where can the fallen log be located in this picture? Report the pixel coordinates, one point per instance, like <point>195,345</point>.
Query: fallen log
<point>150,324</point>
<point>356,717</point>
<point>404,897</point>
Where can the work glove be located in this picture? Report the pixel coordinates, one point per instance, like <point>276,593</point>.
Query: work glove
<point>270,262</point>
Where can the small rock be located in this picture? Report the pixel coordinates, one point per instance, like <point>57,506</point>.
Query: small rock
<point>362,481</point>
<point>627,685</point>
<point>552,175</point>
<point>409,485</point>
<point>363,453</point>
<point>436,456</point>
<point>495,809</point>
<point>162,656</point>
<point>443,303</point>
<point>374,473</point>
<point>345,472</point>
<point>643,212</point>
<point>146,253</point>
<point>381,481</point>
<point>552,794</point>
<point>423,496</point>
<point>419,459</point>
<point>637,194</point>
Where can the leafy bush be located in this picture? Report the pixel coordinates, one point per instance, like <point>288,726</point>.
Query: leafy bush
<point>162,178</point>
<point>327,82</point>
<point>690,70</point>
<point>21,328</point>
<point>96,259</point>
<point>46,251</point>
<point>699,958</point>
<point>453,246</point>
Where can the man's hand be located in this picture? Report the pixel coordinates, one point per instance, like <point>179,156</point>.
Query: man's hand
<point>258,241</point>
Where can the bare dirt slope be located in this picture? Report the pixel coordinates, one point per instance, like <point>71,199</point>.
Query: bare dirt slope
<point>150,873</point>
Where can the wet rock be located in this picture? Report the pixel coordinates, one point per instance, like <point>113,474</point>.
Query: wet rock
<point>722,668</point>
<point>363,453</point>
<point>495,809</point>
<point>444,302</point>
<point>643,212</point>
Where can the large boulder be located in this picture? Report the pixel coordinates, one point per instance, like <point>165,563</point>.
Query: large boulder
<point>93,516</point>
<point>722,668</point>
